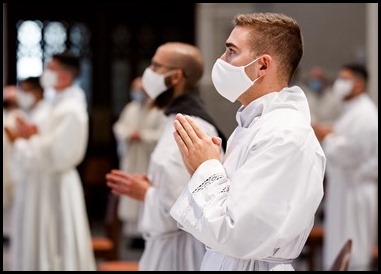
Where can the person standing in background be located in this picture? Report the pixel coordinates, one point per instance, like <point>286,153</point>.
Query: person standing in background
<point>137,131</point>
<point>351,147</point>
<point>324,105</point>
<point>30,98</point>
<point>35,112</point>
<point>10,112</point>
<point>52,227</point>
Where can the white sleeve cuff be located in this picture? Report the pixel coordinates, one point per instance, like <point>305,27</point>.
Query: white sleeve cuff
<point>204,173</point>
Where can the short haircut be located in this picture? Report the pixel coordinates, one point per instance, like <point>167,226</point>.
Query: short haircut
<point>357,69</point>
<point>277,35</point>
<point>69,61</point>
<point>34,82</point>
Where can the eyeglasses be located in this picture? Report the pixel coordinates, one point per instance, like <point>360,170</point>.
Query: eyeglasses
<point>156,66</point>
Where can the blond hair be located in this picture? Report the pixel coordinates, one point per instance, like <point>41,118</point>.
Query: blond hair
<point>277,35</point>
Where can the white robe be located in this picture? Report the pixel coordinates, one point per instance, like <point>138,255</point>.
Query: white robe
<point>168,247</point>
<point>135,155</point>
<point>39,114</point>
<point>352,183</point>
<point>9,119</point>
<point>51,230</point>
<point>255,210</point>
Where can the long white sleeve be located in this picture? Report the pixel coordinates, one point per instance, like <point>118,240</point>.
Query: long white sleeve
<point>271,200</point>
<point>261,201</point>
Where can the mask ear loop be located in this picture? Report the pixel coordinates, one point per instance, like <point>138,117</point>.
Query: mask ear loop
<point>255,60</point>
<point>249,65</point>
<point>257,79</point>
<point>169,73</point>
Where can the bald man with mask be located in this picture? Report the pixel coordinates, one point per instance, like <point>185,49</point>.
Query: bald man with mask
<point>171,82</point>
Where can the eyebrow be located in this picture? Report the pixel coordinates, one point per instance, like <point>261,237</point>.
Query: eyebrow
<point>231,45</point>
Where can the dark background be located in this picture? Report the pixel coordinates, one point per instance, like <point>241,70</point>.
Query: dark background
<point>148,26</point>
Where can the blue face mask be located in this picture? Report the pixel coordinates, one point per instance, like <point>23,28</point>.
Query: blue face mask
<point>137,96</point>
<point>315,85</point>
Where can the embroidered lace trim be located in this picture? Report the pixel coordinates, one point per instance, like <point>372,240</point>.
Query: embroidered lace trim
<point>225,189</point>
<point>207,182</point>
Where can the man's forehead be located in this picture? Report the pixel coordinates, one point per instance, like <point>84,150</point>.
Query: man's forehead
<point>160,53</point>
<point>53,64</point>
<point>238,38</point>
<point>346,73</point>
<point>163,56</point>
<point>50,64</point>
<point>27,86</point>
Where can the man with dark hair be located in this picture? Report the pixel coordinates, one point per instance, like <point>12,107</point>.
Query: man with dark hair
<point>53,233</point>
<point>351,147</point>
<point>34,110</point>
<point>61,71</point>
<point>30,96</point>
<point>69,61</point>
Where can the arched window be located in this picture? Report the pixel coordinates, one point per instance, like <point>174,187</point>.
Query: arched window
<point>37,41</point>
<point>29,49</point>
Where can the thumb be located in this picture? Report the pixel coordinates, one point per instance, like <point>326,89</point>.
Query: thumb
<point>217,140</point>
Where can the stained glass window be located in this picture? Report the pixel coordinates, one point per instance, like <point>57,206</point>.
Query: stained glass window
<point>29,51</point>
<point>38,41</point>
<point>54,38</point>
<point>80,45</point>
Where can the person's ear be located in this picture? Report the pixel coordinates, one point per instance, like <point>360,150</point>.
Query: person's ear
<point>177,77</point>
<point>265,64</point>
<point>358,86</point>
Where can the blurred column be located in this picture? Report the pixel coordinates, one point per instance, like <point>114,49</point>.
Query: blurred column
<point>372,49</point>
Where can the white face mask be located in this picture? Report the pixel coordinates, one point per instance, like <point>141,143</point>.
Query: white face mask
<point>231,81</point>
<point>342,88</point>
<point>48,79</point>
<point>154,83</point>
<point>25,99</point>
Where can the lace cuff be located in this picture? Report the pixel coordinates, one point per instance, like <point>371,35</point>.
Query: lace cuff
<point>207,182</point>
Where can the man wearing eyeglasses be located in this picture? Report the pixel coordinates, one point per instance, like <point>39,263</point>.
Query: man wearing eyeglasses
<point>171,81</point>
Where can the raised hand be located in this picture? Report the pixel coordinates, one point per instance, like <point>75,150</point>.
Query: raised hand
<point>195,146</point>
